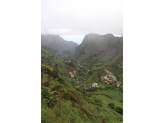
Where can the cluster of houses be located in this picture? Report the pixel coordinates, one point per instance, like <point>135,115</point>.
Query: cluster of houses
<point>108,75</point>
<point>106,79</point>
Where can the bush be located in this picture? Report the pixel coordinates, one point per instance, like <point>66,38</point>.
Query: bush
<point>119,110</point>
<point>66,95</point>
<point>49,96</point>
<point>45,92</point>
<point>98,108</point>
<point>92,89</point>
<point>89,95</point>
<point>112,105</point>
<point>90,73</point>
<point>51,78</point>
<point>45,70</point>
<point>113,88</point>
<point>62,81</point>
<point>98,102</point>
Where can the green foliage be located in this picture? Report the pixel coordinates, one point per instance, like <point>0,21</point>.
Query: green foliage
<point>48,95</point>
<point>112,88</point>
<point>92,89</point>
<point>119,110</point>
<point>66,95</point>
<point>62,81</point>
<point>112,105</point>
<point>98,102</point>
<point>71,64</point>
<point>90,73</point>
<point>89,95</point>
<point>45,92</point>
<point>85,118</point>
<point>44,120</point>
<point>45,69</point>
<point>51,78</point>
<point>98,107</point>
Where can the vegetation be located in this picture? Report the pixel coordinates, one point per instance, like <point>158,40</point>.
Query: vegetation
<point>57,45</point>
<point>58,98</point>
<point>73,100</point>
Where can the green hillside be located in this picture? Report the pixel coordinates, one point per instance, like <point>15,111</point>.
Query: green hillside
<point>66,99</point>
<point>62,103</point>
<point>98,52</point>
<point>99,49</point>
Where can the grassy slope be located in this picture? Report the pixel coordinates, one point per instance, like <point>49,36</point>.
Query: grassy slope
<point>73,106</point>
<point>81,106</point>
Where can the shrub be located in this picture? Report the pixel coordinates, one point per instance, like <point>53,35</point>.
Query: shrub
<point>89,95</point>
<point>44,120</point>
<point>45,92</point>
<point>49,96</point>
<point>51,78</point>
<point>62,81</point>
<point>45,69</point>
<point>85,117</point>
<point>121,101</point>
<point>113,88</point>
<point>112,105</point>
<point>66,95</point>
<point>98,102</point>
<point>119,110</point>
<point>98,108</point>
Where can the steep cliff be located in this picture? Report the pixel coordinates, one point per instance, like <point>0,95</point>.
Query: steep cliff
<point>99,48</point>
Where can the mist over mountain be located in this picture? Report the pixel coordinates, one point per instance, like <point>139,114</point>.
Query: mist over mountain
<point>97,48</point>
<point>57,45</point>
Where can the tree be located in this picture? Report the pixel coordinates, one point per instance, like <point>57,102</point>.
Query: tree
<point>90,73</point>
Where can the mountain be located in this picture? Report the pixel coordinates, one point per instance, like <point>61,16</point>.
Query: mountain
<point>99,52</point>
<point>57,45</point>
<point>96,49</point>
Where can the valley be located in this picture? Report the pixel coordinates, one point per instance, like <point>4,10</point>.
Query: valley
<point>85,84</point>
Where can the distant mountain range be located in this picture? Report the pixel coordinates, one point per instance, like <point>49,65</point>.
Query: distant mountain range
<point>57,45</point>
<point>94,48</point>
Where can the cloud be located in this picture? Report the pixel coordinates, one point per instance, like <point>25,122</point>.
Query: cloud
<point>79,17</point>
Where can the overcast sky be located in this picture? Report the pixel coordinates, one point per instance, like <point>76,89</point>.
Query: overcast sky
<point>72,19</point>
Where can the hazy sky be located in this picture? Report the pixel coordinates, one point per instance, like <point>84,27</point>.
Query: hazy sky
<point>72,19</point>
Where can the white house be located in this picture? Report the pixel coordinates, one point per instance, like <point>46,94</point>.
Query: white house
<point>110,76</point>
<point>95,85</point>
<point>72,75</point>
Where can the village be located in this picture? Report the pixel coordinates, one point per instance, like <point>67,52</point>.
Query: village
<point>108,78</point>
